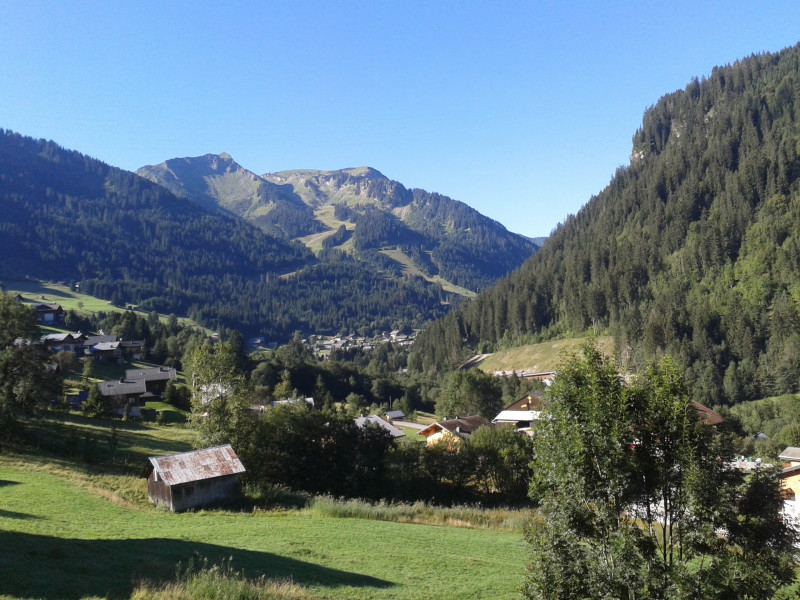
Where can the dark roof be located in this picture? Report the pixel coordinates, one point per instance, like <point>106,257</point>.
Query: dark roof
<point>395,414</point>
<point>528,402</point>
<point>57,338</point>
<point>706,415</point>
<point>91,340</point>
<point>47,307</point>
<point>196,466</point>
<point>154,374</point>
<point>121,388</point>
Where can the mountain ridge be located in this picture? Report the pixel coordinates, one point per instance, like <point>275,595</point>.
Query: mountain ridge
<point>356,210</point>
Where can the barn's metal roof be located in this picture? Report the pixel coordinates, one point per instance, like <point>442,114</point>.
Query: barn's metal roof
<point>197,465</point>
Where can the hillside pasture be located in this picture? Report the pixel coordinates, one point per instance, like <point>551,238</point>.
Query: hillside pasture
<point>538,358</point>
<point>93,545</point>
<point>83,304</point>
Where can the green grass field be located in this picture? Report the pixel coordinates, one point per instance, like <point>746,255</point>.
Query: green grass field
<point>62,540</point>
<point>70,530</point>
<point>538,357</point>
<point>39,291</point>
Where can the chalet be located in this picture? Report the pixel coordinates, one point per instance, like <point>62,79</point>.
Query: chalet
<point>66,342</point>
<point>790,487</point>
<point>49,313</point>
<point>93,340</point>
<point>124,395</point>
<point>376,421</point>
<point>155,379</point>
<point>132,349</point>
<point>790,456</point>
<point>395,415</point>
<point>452,431</point>
<point>521,414</point>
<point>106,350</point>
<point>194,479</point>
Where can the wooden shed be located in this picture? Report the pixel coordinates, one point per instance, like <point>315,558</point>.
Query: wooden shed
<point>194,479</point>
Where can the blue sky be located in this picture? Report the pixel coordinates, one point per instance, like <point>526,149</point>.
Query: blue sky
<point>522,110</point>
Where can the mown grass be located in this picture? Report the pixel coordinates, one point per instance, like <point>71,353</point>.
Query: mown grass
<point>545,356</point>
<point>56,519</point>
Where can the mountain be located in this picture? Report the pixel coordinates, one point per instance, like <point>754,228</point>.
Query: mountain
<point>67,217</point>
<point>359,211</point>
<point>220,184</point>
<point>693,249</point>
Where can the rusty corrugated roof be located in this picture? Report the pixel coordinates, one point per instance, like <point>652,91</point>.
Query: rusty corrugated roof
<point>197,465</point>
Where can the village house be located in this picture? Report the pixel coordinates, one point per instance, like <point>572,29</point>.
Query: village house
<point>155,379</point>
<point>64,342</point>
<point>521,414</point>
<point>49,313</point>
<point>106,351</point>
<point>194,479</point>
<point>790,482</point>
<point>123,395</point>
<point>395,415</point>
<point>452,431</point>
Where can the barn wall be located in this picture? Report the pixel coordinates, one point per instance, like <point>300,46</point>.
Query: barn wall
<point>204,492</point>
<point>159,492</point>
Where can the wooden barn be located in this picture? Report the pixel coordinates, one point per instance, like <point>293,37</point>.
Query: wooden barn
<point>194,479</point>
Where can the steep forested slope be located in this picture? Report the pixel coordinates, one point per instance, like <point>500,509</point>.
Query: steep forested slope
<point>693,249</point>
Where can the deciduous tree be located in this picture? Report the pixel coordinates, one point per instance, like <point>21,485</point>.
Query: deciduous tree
<point>637,500</point>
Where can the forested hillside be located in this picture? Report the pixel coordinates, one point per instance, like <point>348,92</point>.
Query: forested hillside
<point>693,249</point>
<point>67,217</point>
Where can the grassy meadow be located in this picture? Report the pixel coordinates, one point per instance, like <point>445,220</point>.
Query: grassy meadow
<point>39,291</point>
<point>545,356</point>
<point>68,530</point>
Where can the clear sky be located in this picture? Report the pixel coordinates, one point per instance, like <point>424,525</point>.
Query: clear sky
<point>522,110</point>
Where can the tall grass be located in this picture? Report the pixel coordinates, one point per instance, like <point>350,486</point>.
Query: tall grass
<point>220,582</point>
<point>499,519</point>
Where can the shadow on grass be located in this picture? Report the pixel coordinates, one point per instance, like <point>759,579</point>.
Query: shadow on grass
<point>57,568</point>
<point>10,514</point>
<point>5,482</point>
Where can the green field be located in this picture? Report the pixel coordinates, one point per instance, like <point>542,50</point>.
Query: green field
<point>38,291</point>
<point>538,357</point>
<point>68,531</point>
